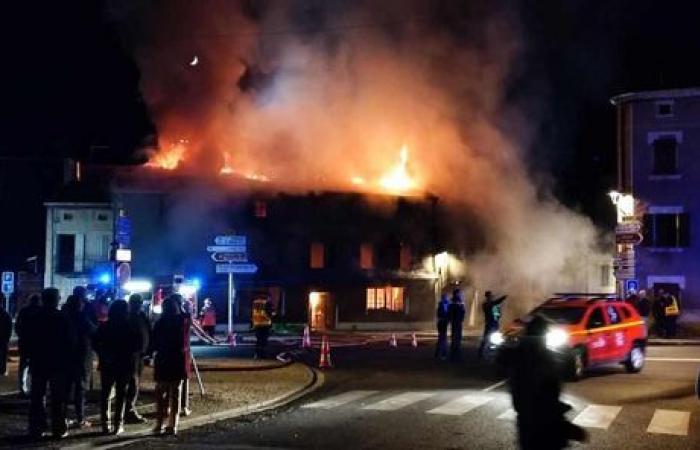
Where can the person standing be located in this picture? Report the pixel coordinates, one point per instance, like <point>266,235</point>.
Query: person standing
<point>187,310</point>
<point>671,312</point>
<point>207,317</point>
<point>262,323</point>
<point>535,387</point>
<point>117,346</point>
<point>644,306</point>
<point>492,318</point>
<point>171,363</point>
<point>658,310</point>
<point>23,323</point>
<point>456,313</point>
<point>442,322</point>
<point>81,359</point>
<point>5,333</point>
<point>52,342</point>
<point>140,323</point>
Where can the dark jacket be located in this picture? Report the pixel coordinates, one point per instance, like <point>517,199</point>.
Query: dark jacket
<point>456,312</point>
<point>643,306</point>
<point>84,333</point>
<point>117,345</point>
<point>5,327</point>
<point>442,313</point>
<point>51,340</point>
<point>492,311</point>
<point>171,335</point>
<point>142,325</point>
<point>24,321</point>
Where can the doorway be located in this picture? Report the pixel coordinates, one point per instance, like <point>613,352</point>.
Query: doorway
<point>320,311</point>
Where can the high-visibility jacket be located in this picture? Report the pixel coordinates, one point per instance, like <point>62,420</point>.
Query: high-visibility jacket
<point>672,308</point>
<point>261,316</point>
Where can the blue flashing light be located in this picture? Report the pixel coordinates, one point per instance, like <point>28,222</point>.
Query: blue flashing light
<point>196,282</point>
<point>105,278</point>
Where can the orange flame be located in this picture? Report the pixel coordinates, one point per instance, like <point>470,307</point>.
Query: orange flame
<point>398,180</point>
<point>169,157</point>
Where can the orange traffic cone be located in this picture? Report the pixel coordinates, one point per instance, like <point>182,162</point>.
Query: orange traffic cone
<point>306,340</point>
<point>392,341</point>
<point>414,341</point>
<point>232,340</point>
<point>325,360</point>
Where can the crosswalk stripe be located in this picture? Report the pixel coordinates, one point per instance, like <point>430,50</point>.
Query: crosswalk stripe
<point>508,414</point>
<point>398,401</point>
<point>667,421</point>
<point>340,399</point>
<point>597,416</point>
<point>461,405</point>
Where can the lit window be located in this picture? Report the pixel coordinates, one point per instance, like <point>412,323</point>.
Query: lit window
<point>260,209</point>
<point>405,258</point>
<point>366,256</point>
<point>317,251</point>
<point>390,298</point>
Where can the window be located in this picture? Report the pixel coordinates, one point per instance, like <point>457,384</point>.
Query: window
<point>405,257</point>
<point>366,256</point>
<point>102,217</point>
<point>317,251</point>
<point>566,315</point>
<point>665,156</point>
<point>626,313</point>
<point>596,319</point>
<point>605,280</point>
<point>666,230</point>
<point>260,209</point>
<point>664,109</point>
<point>390,298</point>
<point>67,217</point>
<point>613,315</point>
<point>65,253</point>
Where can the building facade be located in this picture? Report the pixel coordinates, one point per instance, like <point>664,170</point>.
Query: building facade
<point>658,163</point>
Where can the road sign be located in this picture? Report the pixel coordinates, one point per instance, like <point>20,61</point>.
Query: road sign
<point>232,239</point>
<point>222,257</point>
<point>625,272</point>
<point>236,268</point>
<point>631,285</point>
<point>227,248</point>
<point>122,233</point>
<point>8,277</point>
<point>633,226</point>
<point>629,238</point>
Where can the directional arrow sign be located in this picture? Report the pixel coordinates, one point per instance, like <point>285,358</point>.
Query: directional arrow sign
<point>236,268</point>
<point>232,239</point>
<point>629,238</point>
<point>222,257</point>
<point>227,248</point>
<point>628,227</point>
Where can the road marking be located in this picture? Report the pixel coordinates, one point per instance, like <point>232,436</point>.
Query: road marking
<point>662,359</point>
<point>398,401</point>
<point>667,421</point>
<point>597,416</point>
<point>494,386</point>
<point>461,405</point>
<point>338,400</point>
<point>508,414</point>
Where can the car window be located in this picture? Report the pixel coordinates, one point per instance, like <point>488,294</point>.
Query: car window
<point>565,315</point>
<point>595,320</point>
<point>613,314</point>
<point>626,312</point>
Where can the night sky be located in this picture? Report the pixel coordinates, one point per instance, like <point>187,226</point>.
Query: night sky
<point>69,88</point>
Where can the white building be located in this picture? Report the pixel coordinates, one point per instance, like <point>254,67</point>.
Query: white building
<point>78,238</point>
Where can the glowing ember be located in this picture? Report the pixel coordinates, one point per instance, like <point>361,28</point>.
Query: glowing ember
<point>257,177</point>
<point>226,169</point>
<point>357,181</point>
<point>170,156</point>
<point>398,179</point>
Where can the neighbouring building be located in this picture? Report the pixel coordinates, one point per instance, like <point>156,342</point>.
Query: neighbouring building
<point>658,162</point>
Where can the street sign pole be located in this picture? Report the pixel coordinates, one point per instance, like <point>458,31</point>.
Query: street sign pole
<point>230,303</point>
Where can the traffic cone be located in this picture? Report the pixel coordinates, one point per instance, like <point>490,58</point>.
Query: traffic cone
<point>306,340</point>
<point>232,340</point>
<point>414,341</point>
<point>392,341</point>
<point>325,359</point>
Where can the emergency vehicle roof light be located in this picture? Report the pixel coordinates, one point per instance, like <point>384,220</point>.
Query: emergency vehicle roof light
<point>138,286</point>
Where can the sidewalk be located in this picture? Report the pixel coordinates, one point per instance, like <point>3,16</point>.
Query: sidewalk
<point>233,387</point>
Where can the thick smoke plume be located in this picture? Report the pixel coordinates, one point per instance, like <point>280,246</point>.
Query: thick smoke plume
<point>323,95</point>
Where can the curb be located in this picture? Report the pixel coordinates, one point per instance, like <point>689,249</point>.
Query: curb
<point>317,380</point>
<point>673,342</point>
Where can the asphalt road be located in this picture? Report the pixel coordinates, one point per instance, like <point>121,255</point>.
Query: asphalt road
<point>400,398</point>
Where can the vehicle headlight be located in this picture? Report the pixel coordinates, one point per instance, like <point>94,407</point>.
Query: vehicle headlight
<point>496,338</point>
<point>556,337</point>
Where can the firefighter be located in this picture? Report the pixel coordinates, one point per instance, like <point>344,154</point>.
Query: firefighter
<point>492,318</point>
<point>207,317</point>
<point>456,313</point>
<point>262,323</point>
<point>442,322</point>
<point>671,313</point>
